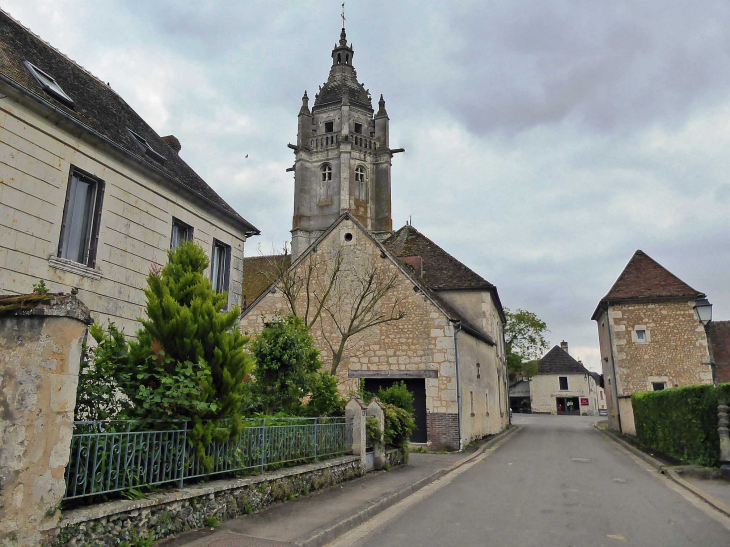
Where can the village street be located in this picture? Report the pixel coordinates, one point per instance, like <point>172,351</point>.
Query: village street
<point>558,482</point>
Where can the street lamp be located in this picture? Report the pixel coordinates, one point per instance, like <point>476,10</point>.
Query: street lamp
<point>703,311</point>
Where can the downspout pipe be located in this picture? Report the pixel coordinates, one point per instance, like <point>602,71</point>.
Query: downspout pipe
<point>613,366</point>
<point>458,379</point>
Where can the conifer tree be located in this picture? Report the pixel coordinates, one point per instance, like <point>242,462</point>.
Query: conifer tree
<point>188,359</point>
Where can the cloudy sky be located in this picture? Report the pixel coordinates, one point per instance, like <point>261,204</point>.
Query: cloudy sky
<point>545,141</point>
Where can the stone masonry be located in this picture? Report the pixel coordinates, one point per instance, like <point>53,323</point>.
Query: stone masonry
<point>40,350</point>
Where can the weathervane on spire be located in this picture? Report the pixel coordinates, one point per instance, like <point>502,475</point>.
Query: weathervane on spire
<point>343,15</point>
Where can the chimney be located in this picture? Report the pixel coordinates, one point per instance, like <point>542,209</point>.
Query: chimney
<point>564,346</point>
<point>173,143</point>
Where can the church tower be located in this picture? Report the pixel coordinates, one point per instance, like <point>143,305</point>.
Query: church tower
<point>342,156</point>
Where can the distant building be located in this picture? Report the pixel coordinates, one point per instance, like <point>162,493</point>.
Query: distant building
<point>91,197</point>
<point>563,385</point>
<point>519,395</point>
<point>649,335</point>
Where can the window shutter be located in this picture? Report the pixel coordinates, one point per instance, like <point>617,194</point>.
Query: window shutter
<point>97,224</point>
<point>65,212</point>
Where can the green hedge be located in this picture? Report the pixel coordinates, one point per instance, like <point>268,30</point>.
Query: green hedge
<point>681,422</point>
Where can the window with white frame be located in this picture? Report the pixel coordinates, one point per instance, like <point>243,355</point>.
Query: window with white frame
<point>180,232</point>
<point>81,218</point>
<point>220,265</point>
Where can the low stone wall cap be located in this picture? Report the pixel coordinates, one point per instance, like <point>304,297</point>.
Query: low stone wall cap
<point>45,305</point>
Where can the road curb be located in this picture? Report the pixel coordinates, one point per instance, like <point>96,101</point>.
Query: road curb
<point>327,534</point>
<point>671,473</point>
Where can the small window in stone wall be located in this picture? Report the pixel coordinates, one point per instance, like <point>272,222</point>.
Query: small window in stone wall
<point>563,383</point>
<point>479,370</point>
<point>329,127</point>
<point>658,386</point>
<point>471,398</point>
<point>486,398</point>
<point>641,335</point>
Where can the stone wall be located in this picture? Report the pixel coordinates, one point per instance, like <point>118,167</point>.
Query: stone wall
<point>40,350</point>
<point>36,158</point>
<point>675,351</point>
<point>168,513</point>
<point>422,341</point>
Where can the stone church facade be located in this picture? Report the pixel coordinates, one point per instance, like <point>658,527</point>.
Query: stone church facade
<point>449,345</point>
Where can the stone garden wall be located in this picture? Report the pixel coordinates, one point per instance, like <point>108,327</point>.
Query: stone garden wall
<point>168,513</point>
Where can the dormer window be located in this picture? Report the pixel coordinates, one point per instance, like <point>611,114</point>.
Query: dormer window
<point>145,147</point>
<point>49,84</point>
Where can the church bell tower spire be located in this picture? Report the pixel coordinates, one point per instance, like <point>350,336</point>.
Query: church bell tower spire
<point>342,157</point>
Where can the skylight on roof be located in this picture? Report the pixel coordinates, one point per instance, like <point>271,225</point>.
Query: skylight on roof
<point>49,84</point>
<point>145,147</point>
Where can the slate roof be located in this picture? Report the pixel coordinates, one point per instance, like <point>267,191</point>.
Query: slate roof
<point>258,274</point>
<point>441,271</point>
<point>98,108</point>
<point>644,278</point>
<point>559,361</point>
<point>438,269</point>
<point>720,345</point>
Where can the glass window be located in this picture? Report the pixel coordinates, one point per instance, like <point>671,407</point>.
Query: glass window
<point>326,172</point>
<point>146,148</point>
<point>563,383</point>
<point>658,386</point>
<point>361,181</point>
<point>180,232</point>
<point>641,335</point>
<point>49,84</point>
<point>219,266</point>
<point>81,216</point>
<point>358,128</point>
<point>329,127</point>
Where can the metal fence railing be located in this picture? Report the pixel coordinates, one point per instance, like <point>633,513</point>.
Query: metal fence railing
<point>115,456</point>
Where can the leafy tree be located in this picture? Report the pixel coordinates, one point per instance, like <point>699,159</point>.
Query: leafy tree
<point>525,342</point>
<point>286,364</point>
<point>325,398</point>
<point>97,396</point>
<point>188,360</point>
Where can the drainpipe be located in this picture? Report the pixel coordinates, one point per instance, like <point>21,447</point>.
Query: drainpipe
<point>613,367</point>
<point>458,380</point>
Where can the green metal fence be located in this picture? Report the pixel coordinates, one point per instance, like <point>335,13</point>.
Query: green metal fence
<point>115,456</point>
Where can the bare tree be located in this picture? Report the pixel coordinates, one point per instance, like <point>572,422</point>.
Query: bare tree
<point>343,298</point>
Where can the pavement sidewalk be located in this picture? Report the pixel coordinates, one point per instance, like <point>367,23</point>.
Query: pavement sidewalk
<point>293,522</point>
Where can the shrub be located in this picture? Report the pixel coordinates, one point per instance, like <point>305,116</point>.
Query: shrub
<point>286,362</point>
<point>372,427</point>
<point>398,395</point>
<point>681,422</point>
<point>399,424</point>
<point>325,398</point>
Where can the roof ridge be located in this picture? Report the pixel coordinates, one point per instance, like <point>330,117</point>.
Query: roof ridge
<point>62,54</point>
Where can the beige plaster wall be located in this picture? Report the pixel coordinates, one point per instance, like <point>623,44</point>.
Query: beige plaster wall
<point>545,388</point>
<point>486,388</point>
<point>480,308</point>
<point>39,360</point>
<point>136,223</point>
<point>609,381</point>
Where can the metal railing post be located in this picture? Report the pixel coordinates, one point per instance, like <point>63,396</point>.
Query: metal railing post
<point>184,450</point>
<point>263,444</point>
<point>315,438</point>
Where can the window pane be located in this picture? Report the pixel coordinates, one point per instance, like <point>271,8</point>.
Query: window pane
<point>79,215</point>
<point>175,239</point>
<point>215,268</point>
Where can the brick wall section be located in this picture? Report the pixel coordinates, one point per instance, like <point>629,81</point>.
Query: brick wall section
<point>675,351</point>
<point>443,430</point>
<point>136,221</point>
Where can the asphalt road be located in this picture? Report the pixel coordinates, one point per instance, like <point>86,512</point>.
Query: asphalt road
<point>558,482</point>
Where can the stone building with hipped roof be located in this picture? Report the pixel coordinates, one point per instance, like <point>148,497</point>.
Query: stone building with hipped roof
<point>649,336</point>
<point>447,344</point>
